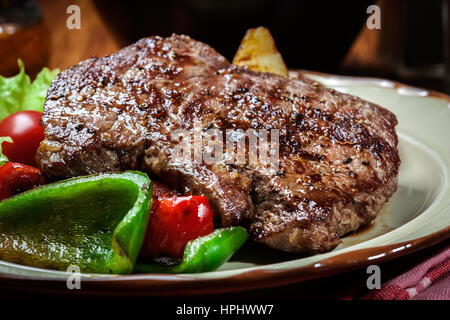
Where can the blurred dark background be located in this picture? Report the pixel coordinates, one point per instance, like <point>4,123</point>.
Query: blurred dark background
<point>412,45</point>
<point>312,34</point>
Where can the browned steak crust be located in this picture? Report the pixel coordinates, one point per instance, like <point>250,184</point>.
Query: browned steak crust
<point>338,160</point>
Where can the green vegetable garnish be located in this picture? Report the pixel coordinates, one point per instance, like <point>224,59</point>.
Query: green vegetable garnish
<point>203,254</point>
<point>96,222</point>
<point>18,93</point>
<point>3,158</point>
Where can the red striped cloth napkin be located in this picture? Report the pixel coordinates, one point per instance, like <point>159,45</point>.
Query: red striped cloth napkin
<point>429,280</point>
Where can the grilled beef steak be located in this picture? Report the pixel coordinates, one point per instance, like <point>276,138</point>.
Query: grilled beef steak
<point>338,158</point>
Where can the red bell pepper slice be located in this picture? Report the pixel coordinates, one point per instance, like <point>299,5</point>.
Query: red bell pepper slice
<point>173,223</point>
<point>16,178</point>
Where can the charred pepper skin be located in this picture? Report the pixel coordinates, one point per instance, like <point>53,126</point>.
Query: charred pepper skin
<point>203,254</point>
<point>96,222</point>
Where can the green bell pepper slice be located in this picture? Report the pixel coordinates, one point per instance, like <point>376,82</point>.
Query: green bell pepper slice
<point>203,254</point>
<point>95,222</point>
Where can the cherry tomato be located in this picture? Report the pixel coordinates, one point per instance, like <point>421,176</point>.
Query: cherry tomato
<point>174,222</point>
<point>24,129</point>
<point>16,178</point>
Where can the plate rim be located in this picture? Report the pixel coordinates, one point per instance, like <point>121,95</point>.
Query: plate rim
<point>172,285</point>
<point>167,285</point>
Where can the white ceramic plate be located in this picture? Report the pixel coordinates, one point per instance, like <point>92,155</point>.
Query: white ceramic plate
<point>417,216</point>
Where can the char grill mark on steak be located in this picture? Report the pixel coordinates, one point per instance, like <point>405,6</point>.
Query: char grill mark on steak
<point>118,112</point>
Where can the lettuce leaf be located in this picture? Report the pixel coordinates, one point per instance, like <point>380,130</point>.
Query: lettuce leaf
<point>3,158</point>
<point>18,93</point>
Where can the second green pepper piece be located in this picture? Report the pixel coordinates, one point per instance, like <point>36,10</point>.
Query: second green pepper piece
<point>203,254</point>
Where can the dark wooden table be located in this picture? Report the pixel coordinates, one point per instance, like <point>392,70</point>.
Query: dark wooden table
<point>68,47</point>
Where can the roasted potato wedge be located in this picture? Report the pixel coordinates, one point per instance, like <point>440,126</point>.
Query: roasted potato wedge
<point>258,52</point>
